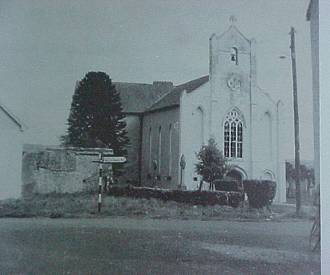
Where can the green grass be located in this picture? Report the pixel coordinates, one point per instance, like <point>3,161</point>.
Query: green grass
<point>85,205</point>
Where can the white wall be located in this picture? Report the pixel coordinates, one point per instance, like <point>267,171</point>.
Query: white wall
<point>190,118</point>
<point>266,161</point>
<point>10,158</point>
<point>261,159</point>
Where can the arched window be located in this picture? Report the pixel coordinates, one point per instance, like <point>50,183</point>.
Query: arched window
<point>170,150</point>
<point>233,135</point>
<point>268,134</point>
<point>200,126</point>
<point>159,148</point>
<point>150,149</point>
<point>234,55</point>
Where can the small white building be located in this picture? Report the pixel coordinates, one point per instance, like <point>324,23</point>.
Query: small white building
<point>11,142</point>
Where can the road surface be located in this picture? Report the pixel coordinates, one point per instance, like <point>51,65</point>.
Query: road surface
<point>153,246</point>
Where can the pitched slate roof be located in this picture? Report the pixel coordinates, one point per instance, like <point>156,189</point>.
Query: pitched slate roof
<point>172,98</point>
<point>138,97</point>
<point>135,97</point>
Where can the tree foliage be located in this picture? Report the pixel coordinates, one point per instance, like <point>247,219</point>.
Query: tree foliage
<point>305,173</point>
<point>96,117</point>
<point>211,163</point>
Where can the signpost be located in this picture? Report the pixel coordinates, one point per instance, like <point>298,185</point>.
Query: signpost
<point>114,159</point>
<point>105,156</point>
<point>182,166</point>
<point>99,202</point>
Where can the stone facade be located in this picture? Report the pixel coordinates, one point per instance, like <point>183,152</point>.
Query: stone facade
<point>57,170</point>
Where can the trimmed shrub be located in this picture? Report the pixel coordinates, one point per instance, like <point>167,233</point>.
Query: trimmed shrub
<point>260,192</point>
<point>228,185</point>
<point>182,196</point>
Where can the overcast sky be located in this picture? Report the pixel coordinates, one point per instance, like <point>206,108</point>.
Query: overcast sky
<point>46,46</point>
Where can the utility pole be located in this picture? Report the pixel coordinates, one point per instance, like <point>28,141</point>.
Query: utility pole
<point>296,122</point>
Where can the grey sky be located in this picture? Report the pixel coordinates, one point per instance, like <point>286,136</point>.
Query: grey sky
<point>46,46</point>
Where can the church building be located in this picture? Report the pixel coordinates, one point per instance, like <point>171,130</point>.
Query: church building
<point>168,123</point>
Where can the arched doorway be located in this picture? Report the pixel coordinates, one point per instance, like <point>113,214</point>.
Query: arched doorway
<point>236,175</point>
<point>268,175</point>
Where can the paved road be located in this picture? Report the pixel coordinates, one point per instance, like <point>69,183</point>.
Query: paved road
<point>146,246</point>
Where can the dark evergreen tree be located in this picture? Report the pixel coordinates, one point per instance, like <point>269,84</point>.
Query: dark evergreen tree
<point>96,117</point>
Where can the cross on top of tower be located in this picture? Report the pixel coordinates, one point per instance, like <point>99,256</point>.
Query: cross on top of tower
<point>232,20</point>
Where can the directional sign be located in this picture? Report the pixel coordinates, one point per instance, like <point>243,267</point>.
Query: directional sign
<point>114,159</point>
<point>91,151</point>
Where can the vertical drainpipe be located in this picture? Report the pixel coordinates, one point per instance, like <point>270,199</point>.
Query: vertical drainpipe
<point>280,180</point>
<point>140,148</point>
<point>183,93</point>
<point>211,71</point>
<point>251,80</point>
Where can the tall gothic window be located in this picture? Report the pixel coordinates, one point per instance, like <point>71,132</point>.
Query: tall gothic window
<point>200,126</point>
<point>159,148</point>
<point>170,150</point>
<point>150,149</point>
<point>233,135</point>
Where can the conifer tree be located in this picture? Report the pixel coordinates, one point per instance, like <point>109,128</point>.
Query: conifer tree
<point>211,164</point>
<point>96,117</point>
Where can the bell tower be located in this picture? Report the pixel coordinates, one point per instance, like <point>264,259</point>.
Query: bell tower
<point>232,81</point>
<point>232,60</point>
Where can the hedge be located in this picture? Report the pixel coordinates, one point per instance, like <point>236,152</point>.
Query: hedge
<point>260,193</point>
<point>182,196</point>
<point>228,185</point>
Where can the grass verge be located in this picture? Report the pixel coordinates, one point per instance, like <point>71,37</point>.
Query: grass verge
<point>84,205</point>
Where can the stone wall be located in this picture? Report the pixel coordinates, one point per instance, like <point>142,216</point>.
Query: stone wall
<point>47,170</point>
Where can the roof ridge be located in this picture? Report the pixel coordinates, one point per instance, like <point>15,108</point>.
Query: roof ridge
<point>159,99</point>
<point>12,116</point>
<point>132,83</point>
<point>187,86</point>
<point>236,29</point>
<point>190,81</point>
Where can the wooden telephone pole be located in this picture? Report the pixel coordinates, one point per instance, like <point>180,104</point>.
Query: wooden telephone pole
<point>296,122</point>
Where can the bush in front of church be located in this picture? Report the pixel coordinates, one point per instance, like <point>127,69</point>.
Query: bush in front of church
<point>212,165</point>
<point>260,193</point>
